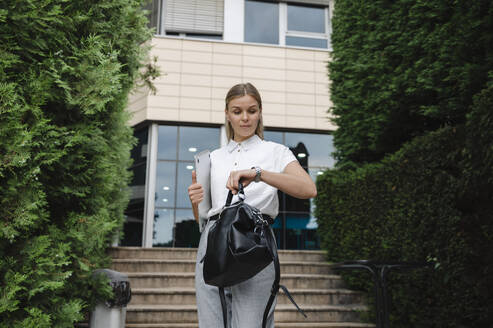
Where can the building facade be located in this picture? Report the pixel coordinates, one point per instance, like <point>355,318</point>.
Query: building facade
<point>204,47</point>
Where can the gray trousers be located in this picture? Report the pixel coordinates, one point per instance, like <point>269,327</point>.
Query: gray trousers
<point>246,301</point>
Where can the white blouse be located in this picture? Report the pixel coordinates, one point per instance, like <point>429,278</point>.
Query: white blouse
<point>269,156</point>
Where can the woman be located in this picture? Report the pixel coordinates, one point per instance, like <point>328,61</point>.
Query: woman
<point>263,167</point>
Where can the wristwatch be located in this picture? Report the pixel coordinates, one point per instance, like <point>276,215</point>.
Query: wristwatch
<point>258,172</point>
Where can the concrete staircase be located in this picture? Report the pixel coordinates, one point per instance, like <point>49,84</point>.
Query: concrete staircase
<point>163,294</point>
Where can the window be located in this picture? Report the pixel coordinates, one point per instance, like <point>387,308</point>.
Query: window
<point>261,22</point>
<point>306,27</point>
<point>195,19</point>
<point>134,212</point>
<point>287,24</point>
<point>295,226</point>
<point>174,224</point>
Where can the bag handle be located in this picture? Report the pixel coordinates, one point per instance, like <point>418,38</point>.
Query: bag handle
<point>241,194</point>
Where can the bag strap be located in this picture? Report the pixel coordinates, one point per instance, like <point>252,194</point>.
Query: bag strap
<point>271,246</point>
<point>223,305</point>
<point>241,194</point>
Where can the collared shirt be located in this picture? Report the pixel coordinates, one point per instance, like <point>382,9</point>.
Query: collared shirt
<point>268,155</point>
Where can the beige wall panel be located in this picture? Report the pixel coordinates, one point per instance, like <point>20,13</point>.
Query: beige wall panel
<point>264,73</point>
<point>196,76</point>
<point>264,85</point>
<point>219,93</point>
<point>164,114</point>
<point>300,65</point>
<point>137,104</point>
<point>273,109</point>
<point>163,101</point>
<point>196,80</point>
<point>320,66</point>
<point>226,70</point>
<point>137,94</point>
<point>168,78</point>
<point>300,76</point>
<point>324,124</point>
<point>168,66</point>
<point>300,110</point>
<point>197,57</point>
<point>305,87</point>
<point>226,59</point>
<point>195,116</point>
<point>322,88</point>
<point>195,92</point>
<point>321,111</point>
<point>168,90</point>
<point>321,56</point>
<point>323,101</point>
<point>264,51</point>
<point>268,62</point>
<point>307,122</point>
<point>217,117</point>
<point>137,117</point>
<point>193,68</point>
<point>321,77</point>
<point>225,81</point>
<point>203,104</point>
<point>227,48</point>
<point>217,105</point>
<point>300,99</point>
<point>300,54</point>
<point>273,97</point>
<point>167,54</point>
<point>274,120</point>
<point>166,43</point>
<point>204,46</point>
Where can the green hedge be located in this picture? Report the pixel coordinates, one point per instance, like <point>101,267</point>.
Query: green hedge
<point>402,68</point>
<point>430,201</point>
<point>66,68</point>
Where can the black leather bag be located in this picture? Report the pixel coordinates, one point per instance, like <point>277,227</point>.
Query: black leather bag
<point>239,245</point>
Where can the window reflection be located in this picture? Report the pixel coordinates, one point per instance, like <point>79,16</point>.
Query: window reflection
<point>134,213</point>
<point>306,42</point>
<point>295,226</point>
<point>274,136</point>
<point>319,146</point>
<point>193,140</point>
<point>165,184</point>
<point>175,225</point>
<point>184,180</point>
<point>187,232</point>
<point>162,235</point>
<point>167,142</point>
<point>261,22</point>
<point>139,152</point>
<point>306,19</point>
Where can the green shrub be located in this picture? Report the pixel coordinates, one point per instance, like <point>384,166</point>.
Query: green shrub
<point>66,68</point>
<point>402,68</point>
<point>409,208</point>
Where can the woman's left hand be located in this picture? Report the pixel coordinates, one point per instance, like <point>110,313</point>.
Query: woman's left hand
<point>245,176</point>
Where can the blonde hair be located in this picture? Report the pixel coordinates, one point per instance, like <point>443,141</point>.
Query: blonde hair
<point>241,90</point>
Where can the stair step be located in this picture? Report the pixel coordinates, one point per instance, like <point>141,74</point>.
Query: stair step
<point>291,281</point>
<point>174,265</point>
<point>277,325</point>
<point>304,296</point>
<point>163,253</point>
<point>283,313</point>
<point>162,276</point>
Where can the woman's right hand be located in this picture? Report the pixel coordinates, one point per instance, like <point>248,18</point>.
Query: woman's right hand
<point>195,191</point>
